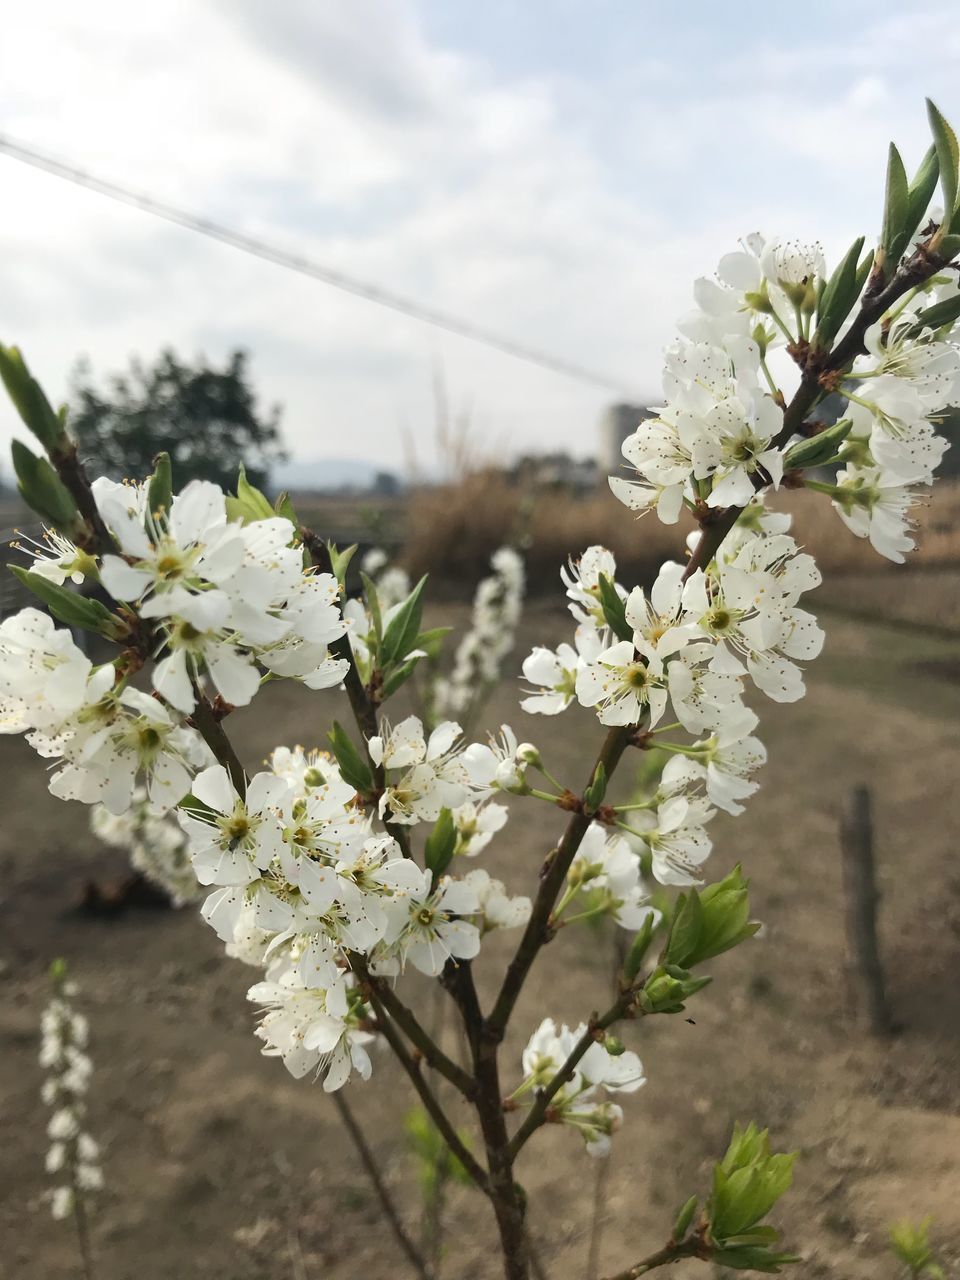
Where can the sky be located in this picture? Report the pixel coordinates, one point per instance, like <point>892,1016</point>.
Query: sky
<point>556,172</point>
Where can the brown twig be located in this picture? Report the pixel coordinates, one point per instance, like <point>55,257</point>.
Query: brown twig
<point>439,1117</point>
<point>693,1247</point>
<point>368,1160</point>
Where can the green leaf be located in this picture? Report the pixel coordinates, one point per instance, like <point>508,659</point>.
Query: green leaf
<point>398,676</point>
<point>160,485</point>
<point>593,796</point>
<point>431,641</point>
<point>340,560</point>
<point>402,630</point>
<point>69,607</point>
<point>839,297</point>
<point>896,213</point>
<point>440,844</point>
<point>353,768</point>
<point>284,507</point>
<point>937,316</point>
<point>817,449</point>
<point>27,395</point>
<point>949,247</point>
<point>948,157</point>
<point>250,504</point>
<point>684,1217</point>
<point>41,487</point>
<point>685,928</point>
<point>613,609</point>
<point>373,604</point>
<point>922,188</point>
<point>639,948</point>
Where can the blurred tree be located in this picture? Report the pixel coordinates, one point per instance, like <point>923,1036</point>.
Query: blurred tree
<point>207,419</point>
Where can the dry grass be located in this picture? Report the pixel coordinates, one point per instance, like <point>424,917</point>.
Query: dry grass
<point>452,530</point>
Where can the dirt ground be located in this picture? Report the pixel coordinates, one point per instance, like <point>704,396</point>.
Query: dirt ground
<point>219,1166</point>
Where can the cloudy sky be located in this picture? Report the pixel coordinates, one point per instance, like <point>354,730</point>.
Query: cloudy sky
<point>555,171</point>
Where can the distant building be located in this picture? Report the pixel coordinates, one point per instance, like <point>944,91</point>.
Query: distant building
<point>618,422</point>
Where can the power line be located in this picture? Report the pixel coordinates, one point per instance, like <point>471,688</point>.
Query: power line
<point>306,266</point>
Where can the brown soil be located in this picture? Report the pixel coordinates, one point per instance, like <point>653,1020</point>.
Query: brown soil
<point>220,1166</point>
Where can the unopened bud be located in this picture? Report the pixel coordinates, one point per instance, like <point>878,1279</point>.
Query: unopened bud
<point>614,1046</point>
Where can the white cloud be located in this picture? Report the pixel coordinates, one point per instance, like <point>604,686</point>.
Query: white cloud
<point>567,210</point>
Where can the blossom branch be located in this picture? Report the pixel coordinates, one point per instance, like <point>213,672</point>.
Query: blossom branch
<point>537,1114</point>
<point>368,1160</point>
<point>817,370</point>
<point>361,704</point>
<point>405,1018</point>
<point>552,877</point>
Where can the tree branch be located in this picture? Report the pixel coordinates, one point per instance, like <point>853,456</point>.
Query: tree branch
<point>692,1247</point>
<point>215,736</point>
<point>368,1160</point>
<point>406,1019</point>
<point>439,1117</point>
<point>552,878</point>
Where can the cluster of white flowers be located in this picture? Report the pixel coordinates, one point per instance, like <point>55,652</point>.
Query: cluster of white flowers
<point>895,393</point>
<point>302,882</point>
<point>717,437</point>
<point>154,843</point>
<point>577,1103</point>
<point>73,1156</point>
<point>497,606</point>
<point>223,599</point>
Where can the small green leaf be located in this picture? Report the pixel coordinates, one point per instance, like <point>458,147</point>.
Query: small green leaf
<point>685,928</point>
<point>431,641</point>
<point>684,1217</point>
<point>937,316</point>
<point>373,604</point>
<point>340,560</point>
<point>403,628</point>
<point>250,504</point>
<point>160,485</point>
<point>284,507</point>
<point>41,487</point>
<point>593,796</point>
<point>839,297</point>
<point>353,768</point>
<point>817,449</point>
<point>949,247</point>
<point>922,188</point>
<point>948,156</point>
<point>639,948</point>
<point>613,609</point>
<point>896,213</point>
<point>398,676</point>
<point>27,395</point>
<point>69,607</point>
<point>440,844</point>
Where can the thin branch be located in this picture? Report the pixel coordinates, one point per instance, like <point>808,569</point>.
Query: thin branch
<point>692,1247</point>
<point>537,1114</point>
<point>215,736</point>
<point>406,1019</point>
<point>368,1160</point>
<point>439,1117</point>
<point>361,704</point>
<point>554,873</point>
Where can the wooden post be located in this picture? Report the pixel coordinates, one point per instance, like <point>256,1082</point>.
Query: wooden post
<point>864,966</point>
